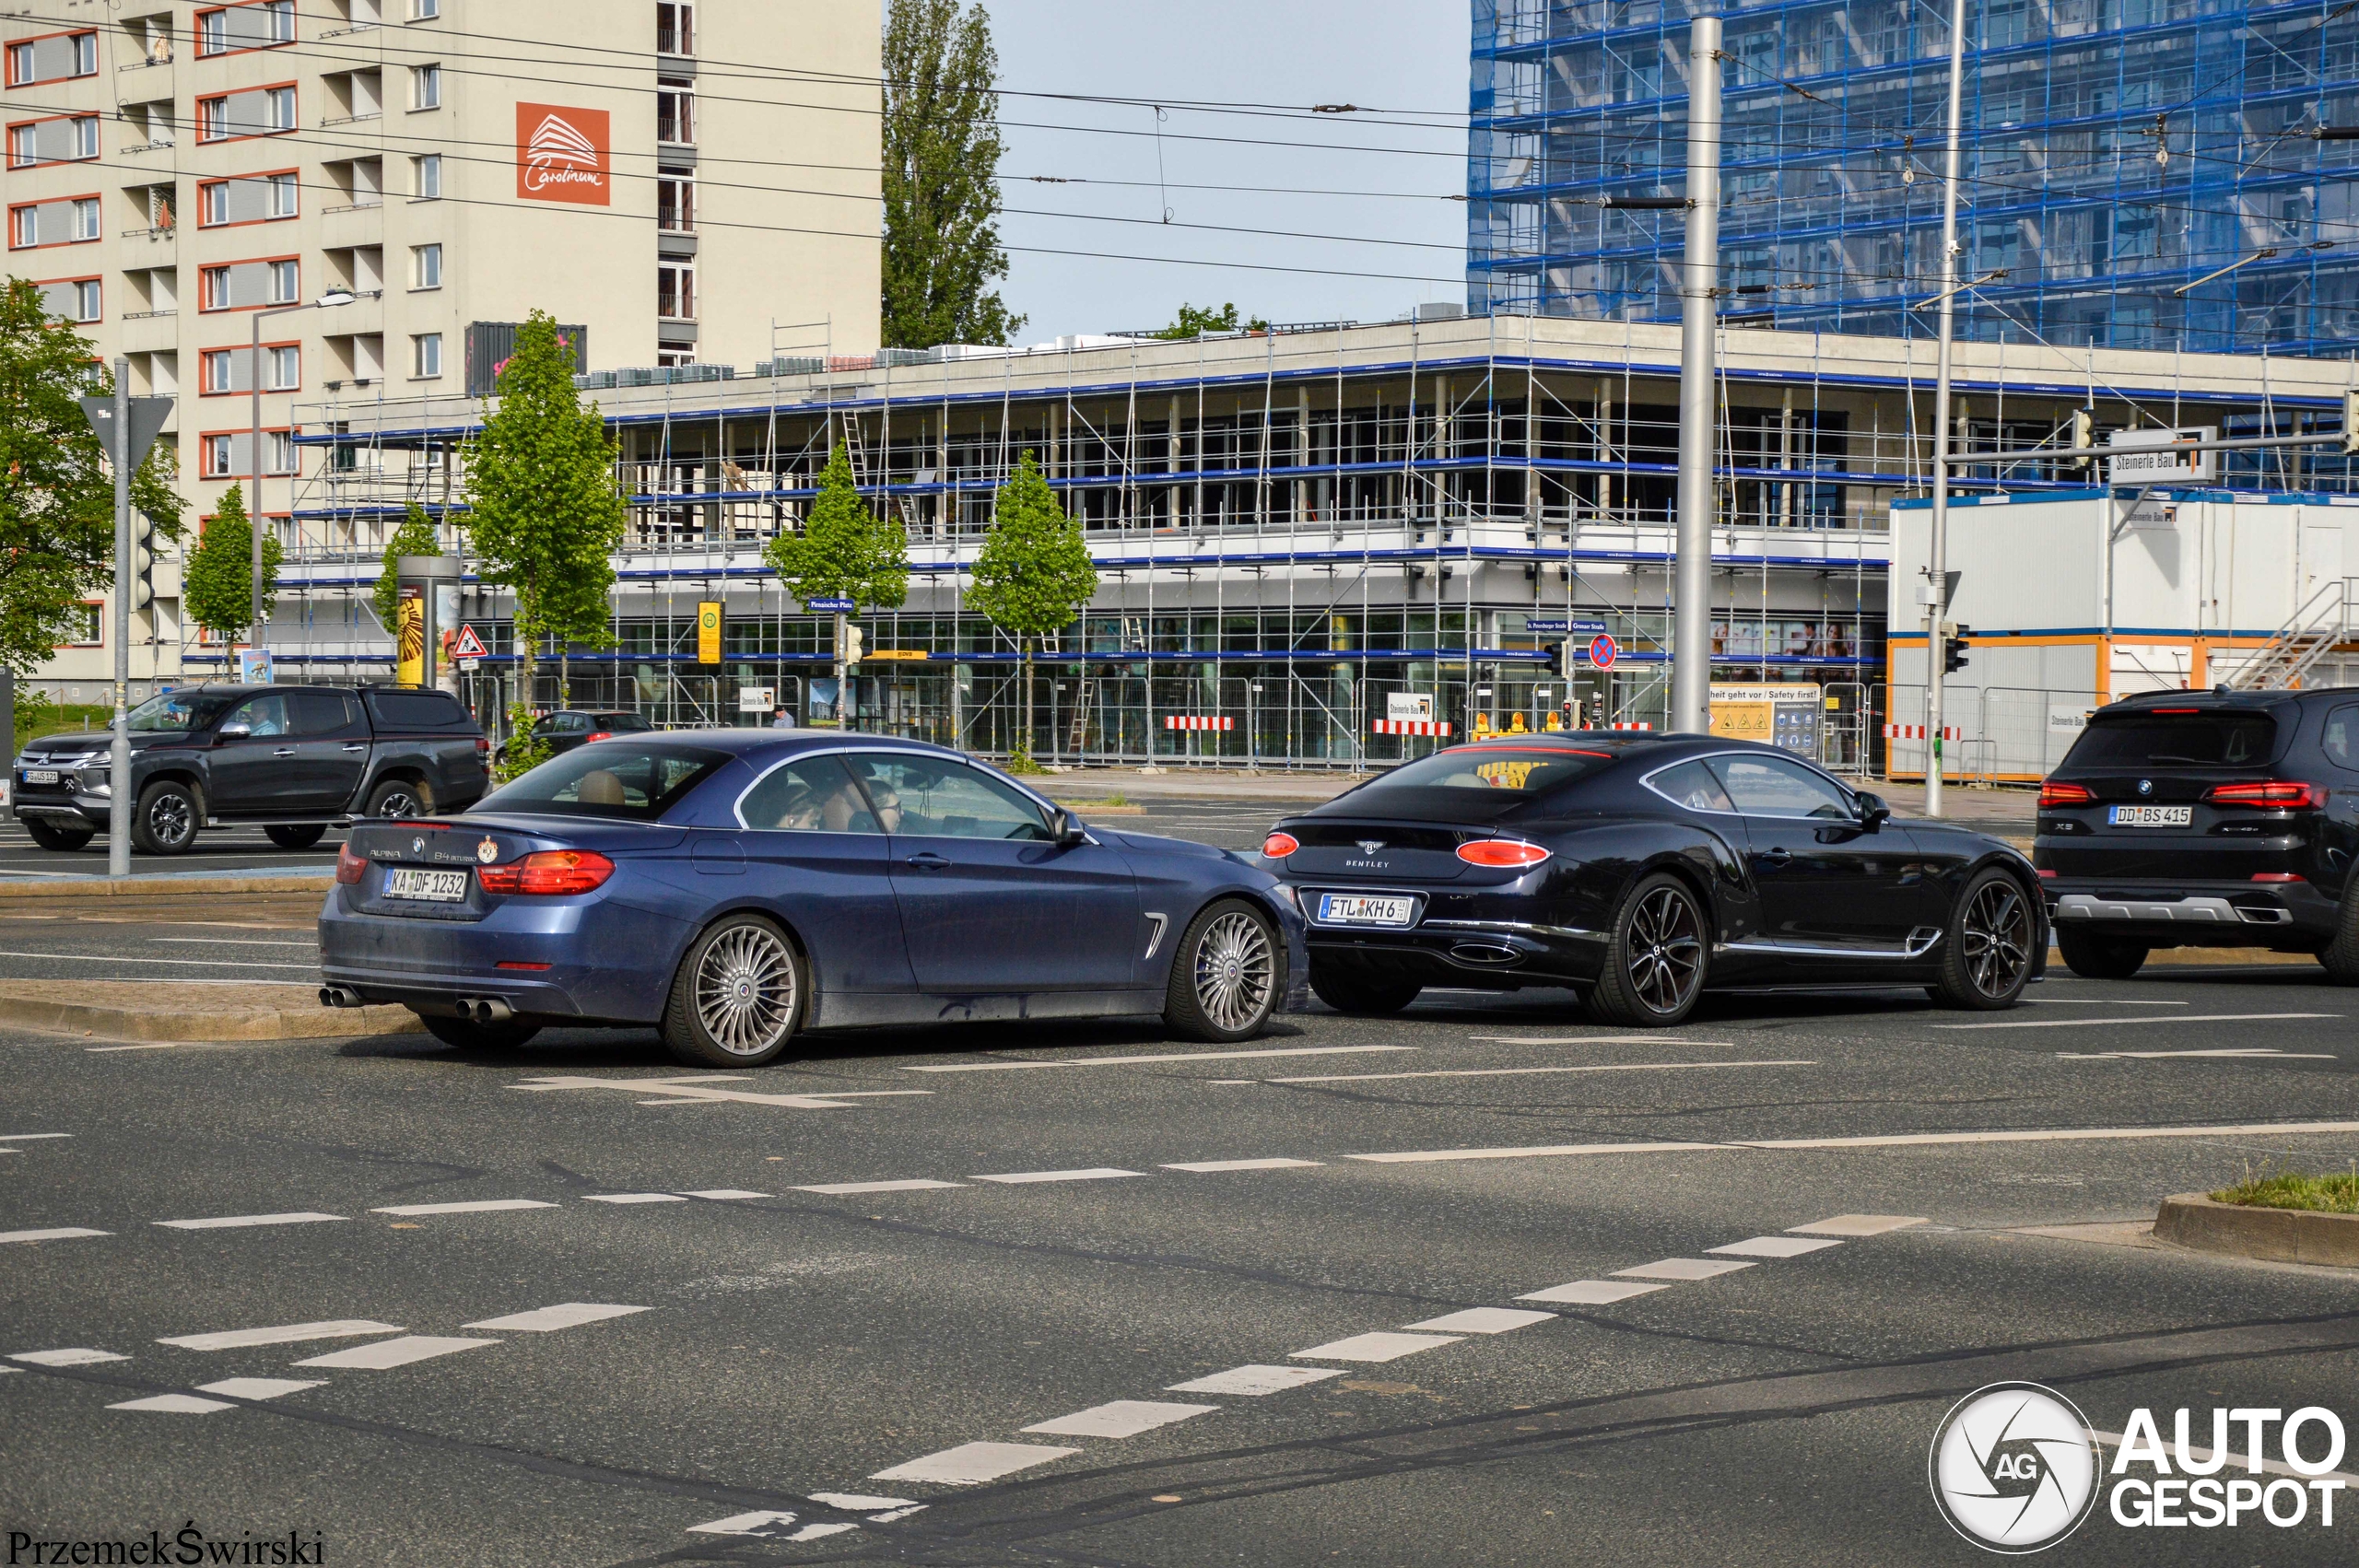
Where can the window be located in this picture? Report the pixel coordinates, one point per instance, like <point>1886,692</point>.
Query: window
<point>63,140</point>
<point>815,795</point>
<point>2341,737</point>
<point>425,10</point>
<point>676,116</point>
<point>2217,738</point>
<point>231,28</point>
<point>1691,784</point>
<point>426,266</point>
<point>675,30</point>
<point>416,710</point>
<point>53,223</point>
<point>282,368</point>
<point>322,712</point>
<point>227,455</point>
<point>243,284</point>
<point>55,58</point>
<point>642,781</point>
<point>426,176</point>
<point>77,301</point>
<point>426,354</point>
<point>1762,786</point>
<point>676,293</point>
<point>947,800</point>
<point>676,205</point>
<point>425,87</point>
<point>264,111</point>
<point>86,626</point>
<point>257,200</point>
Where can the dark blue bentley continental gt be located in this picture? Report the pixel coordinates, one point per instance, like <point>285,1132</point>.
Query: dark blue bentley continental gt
<point>1644,869</point>
<point>732,888</point>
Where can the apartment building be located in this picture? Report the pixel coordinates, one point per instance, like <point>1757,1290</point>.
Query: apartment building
<point>668,178</point>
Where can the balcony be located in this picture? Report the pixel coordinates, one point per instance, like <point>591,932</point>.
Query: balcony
<point>151,331</point>
<point>142,248</point>
<point>358,223</point>
<point>144,81</point>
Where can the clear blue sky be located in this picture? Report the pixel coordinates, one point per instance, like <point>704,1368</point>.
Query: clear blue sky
<point>1406,55</point>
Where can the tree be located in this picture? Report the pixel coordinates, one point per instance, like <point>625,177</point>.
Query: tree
<point>56,491</point>
<point>1194,321</point>
<point>217,581</point>
<point>1033,574</point>
<point>942,199</point>
<point>415,536</point>
<point>546,513</point>
<point>844,551</point>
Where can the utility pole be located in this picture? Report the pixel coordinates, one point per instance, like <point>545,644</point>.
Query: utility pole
<point>119,766</point>
<point>1937,574</point>
<point>1699,276</point>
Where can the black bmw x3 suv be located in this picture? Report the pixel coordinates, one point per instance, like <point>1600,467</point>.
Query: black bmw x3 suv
<point>2205,819</point>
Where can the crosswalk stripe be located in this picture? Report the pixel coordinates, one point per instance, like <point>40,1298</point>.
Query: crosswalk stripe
<point>288,1334</point>
<point>1254,1381</point>
<point>1376,1347</point>
<point>1119,1418</point>
<point>482,1206</point>
<point>565,1315</point>
<point>239,1221</point>
<point>387,1354</point>
<point>971,1464</point>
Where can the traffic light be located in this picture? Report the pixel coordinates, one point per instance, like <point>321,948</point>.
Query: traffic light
<point>1954,650</point>
<point>1565,662</point>
<point>2085,433</point>
<point>2351,421</point>
<point>851,649</point>
<point>141,583</point>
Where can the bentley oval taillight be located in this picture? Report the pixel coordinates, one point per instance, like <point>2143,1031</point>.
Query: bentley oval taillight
<point>1278,846</point>
<point>2051,793</point>
<point>1501,852</point>
<point>349,866</point>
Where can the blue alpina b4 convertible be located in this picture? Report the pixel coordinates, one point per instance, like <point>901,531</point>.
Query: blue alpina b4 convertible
<point>732,888</point>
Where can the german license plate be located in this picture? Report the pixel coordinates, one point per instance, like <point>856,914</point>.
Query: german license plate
<point>41,776</point>
<point>1358,909</point>
<point>2152,816</point>
<point>439,887</point>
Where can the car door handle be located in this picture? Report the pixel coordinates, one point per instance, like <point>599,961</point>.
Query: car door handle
<point>356,745</point>
<point>284,750</point>
<point>928,861</point>
<point>1778,857</point>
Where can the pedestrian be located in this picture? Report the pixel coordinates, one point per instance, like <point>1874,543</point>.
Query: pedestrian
<point>783,720</point>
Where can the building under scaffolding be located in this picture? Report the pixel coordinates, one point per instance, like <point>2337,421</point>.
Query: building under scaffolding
<point>1306,538</point>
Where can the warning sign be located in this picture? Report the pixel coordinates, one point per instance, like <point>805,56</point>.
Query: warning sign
<point>468,646</point>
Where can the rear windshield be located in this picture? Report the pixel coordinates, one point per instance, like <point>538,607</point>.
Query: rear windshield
<point>1474,783</point>
<point>419,711</point>
<point>2216,739</point>
<point>619,723</point>
<point>611,779</point>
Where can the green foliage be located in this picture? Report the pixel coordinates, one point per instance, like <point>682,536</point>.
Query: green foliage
<point>845,550</point>
<point>415,536</point>
<point>38,714</point>
<point>524,750</point>
<point>1033,574</point>
<point>2337,1193</point>
<point>56,492</point>
<point>1019,761</point>
<point>942,199</point>
<point>216,582</point>
<point>1194,321</point>
<point>546,511</point>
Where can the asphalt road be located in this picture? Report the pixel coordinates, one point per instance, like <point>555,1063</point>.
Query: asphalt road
<point>807,1290</point>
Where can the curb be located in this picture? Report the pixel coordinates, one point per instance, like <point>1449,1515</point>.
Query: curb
<point>189,885</point>
<point>246,1024</point>
<point>2276,1236</point>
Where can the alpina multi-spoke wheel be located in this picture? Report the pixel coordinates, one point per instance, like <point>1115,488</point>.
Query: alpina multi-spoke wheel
<point>738,996</point>
<point>1228,974</point>
<point>1986,954</point>
<point>1657,958</point>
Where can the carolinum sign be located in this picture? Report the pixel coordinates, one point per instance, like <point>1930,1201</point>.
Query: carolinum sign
<point>562,154</point>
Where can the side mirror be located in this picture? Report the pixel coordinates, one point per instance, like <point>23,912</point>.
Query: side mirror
<point>236,730</point>
<point>1873,811</point>
<point>1069,830</point>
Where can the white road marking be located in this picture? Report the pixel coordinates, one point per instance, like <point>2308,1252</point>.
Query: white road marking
<point>175,1404</point>
<point>1530,1071</point>
<point>1094,1173</point>
<point>860,1503</point>
<point>1119,1418</point>
<point>30,1137</point>
<point>387,1354</point>
<point>66,1232</point>
<point>104,1050</point>
<point>2092,1001</point>
<point>2266,1051</point>
<point>482,1206</point>
<point>814,1532</point>
<point>726,1194</point>
<point>762,1523</point>
<point>705,1088</point>
<point>1592,1293</point>
<point>1772,1246</point>
<point>176,963</point>
<point>1681,1269</point>
<point>260,1387</point>
<point>632,1197</point>
<point>1174,1056</point>
<point>1598,1040</point>
<point>2111,1024</point>
<point>971,1464</point>
<point>233,942</point>
<point>1850,1225</point>
<point>1250,1381</point>
<point>852,1189</point>
<point>1208,1167</point>
<point>239,1221</point>
<point>1482,1320</point>
<point>1535,1152</point>
<point>1376,1347</point>
<point>290,1334</point>
<point>2060,1134</point>
<point>565,1315</point>
<point>76,1356</point>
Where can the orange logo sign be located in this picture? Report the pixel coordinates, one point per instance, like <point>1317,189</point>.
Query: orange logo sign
<point>561,155</point>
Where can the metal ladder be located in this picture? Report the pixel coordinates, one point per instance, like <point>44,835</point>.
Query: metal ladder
<point>2322,622</point>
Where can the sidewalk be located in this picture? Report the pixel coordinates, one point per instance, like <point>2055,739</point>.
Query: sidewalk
<point>159,1010</point>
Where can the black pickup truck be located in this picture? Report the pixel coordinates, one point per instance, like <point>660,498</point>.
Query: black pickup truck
<point>294,760</point>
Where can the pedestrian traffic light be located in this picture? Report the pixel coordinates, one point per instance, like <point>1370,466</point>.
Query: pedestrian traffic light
<point>1954,650</point>
<point>140,575</point>
<point>1564,663</point>
<point>2084,434</point>
<point>851,649</point>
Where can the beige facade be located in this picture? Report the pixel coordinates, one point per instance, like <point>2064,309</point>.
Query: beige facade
<point>672,177</point>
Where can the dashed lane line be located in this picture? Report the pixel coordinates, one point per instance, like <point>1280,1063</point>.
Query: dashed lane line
<point>1594,1292</point>
<point>704,1089</point>
<point>1119,1418</point>
<point>30,1137</point>
<point>1378,1346</point>
<point>1532,1072</point>
<point>1772,1246</point>
<point>1093,1173</point>
<point>1851,1227</point>
<point>63,1232</point>
<point>1483,1320</point>
<point>480,1206</point>
<point>565,1314</point>
<point>2113,1023</point>
<point>386,1354</point>
<point>1883,1140</point>
<point>247,1222</point>
<point>1682,1269</point>
<point>1212,1168</point>
<point>74,1355</point>
<point>1160,1057</point>
<point>1596,1040</point>
<point>634,1198</point>
<point>286,1334</point>
<point>1529,1152</point>
<point>1252,1382</point>
<point>854,1188</point>
<point>2269,1052</point>
<point>972,1463</point>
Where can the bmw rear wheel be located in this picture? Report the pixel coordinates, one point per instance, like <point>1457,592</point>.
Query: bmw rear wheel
<point>1985,955</point>
<point>1657,958</point>
<point>1229,975</point>
<point>738,997</point>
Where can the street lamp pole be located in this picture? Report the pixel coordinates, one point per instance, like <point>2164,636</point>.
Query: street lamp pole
<point>328,301</point>
<point>1937,574</point>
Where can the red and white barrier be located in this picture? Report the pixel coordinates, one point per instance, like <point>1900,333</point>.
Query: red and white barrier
<point>1917,732</point>
<point>1410,726</point>
<point>1187,721</point>
<point>1618,725</point>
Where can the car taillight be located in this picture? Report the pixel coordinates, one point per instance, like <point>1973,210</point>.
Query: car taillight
<point>547,873</point>
<point>2276,876</point>
<point>601,735</point>
<point>2265,792</point>
<point>349,866</point>
<point>1278,846</point>
<point>2047,874</point>
<point>1501,852</point>
<point>2051,793</point>
<point>483,744</point>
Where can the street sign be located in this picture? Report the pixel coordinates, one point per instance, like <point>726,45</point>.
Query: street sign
<point>467,644</point>
<point>147,417</point>
<point>709,631</point>
<point>1560,623</point>
<point>2151,457</point>
<point>757,699</point>
<point>1406,707</point>
<point>1603,651</point>
<point>828,606</point>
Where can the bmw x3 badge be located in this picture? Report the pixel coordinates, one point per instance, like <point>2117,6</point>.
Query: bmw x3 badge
<point>486,851</point>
